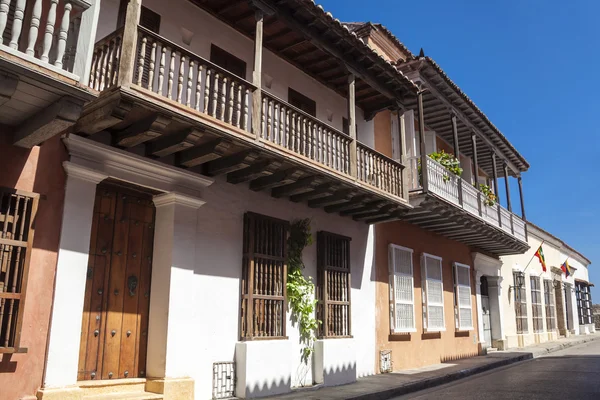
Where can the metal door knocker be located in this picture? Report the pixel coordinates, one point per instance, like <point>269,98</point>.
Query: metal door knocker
<point>132,283</point>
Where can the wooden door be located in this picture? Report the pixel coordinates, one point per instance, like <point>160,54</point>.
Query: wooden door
<point>117,297</point>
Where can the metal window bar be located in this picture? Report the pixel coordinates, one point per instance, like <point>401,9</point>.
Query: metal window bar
<point>223,380</point>
<point>333,285</point>
<point>549,305</point>
<point>17,213</point>
<point>264,277</point>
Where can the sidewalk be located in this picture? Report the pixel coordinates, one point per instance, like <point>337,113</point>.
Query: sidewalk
<point>386,386</point>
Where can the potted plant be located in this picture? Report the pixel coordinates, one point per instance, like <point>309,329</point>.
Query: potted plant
<point>449,162</point>
<point>489,198</point>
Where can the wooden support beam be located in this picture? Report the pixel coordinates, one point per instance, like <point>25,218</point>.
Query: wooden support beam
<point>293,45</point>
<point>522,199</point>
<point>129,44</point>
<point>8,86</point>
<point>257,75</point>
<point>102,114</point>
<point>495,175</point>
<point>383,211</point>
<point>371,206</point>
<point>507,186</point>
<point>47,123</point>
<point>323,190</point>
<point>143,124</point>
<point>254,171</point>
<point>339,196</point>
<point>201,154</point>
<point>475,160</point>
<point>352,124</point>
<point>276,179</point>
<point>354,202</point>
<point>391,217</point>
<point>300,186</point>
<point>423,150</point>
<point>171,143</point>
<point>231,162</point>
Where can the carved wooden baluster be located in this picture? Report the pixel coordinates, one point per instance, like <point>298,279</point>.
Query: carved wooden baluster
<point>36,14</point>
<point>63,34</point>
<point>320,144</point>
<point>263,118</point>
<point>180,78</point>
<point>141,61</point>
<point>93,70</point>
<point>292,145</point>
<point>161,70</point>
<point>152,66</point>
<point>238,107</point>
<point>51,20</point>
<point>231,102</point>
<point>313,135</point>
<point>190,83</point>
<point>270,120</point>
<point>302,144</point>
<point>288,138</point>
<point>311,140</point>
<point>104,66</point>
<point>17,24</point>
<point>207,81</point>
<point>4,8</point>
<point>246,101</point>
<point>109,65</point>
<point>281,121</point>
<point>198,87</point>
<point>223,99</point>
<point>171,79</point>
<point>115,61</point>
<point>215,96</point>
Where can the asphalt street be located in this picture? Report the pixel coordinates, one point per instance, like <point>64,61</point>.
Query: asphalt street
<point>573,373</point>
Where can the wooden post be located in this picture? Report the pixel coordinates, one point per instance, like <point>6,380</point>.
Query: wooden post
<point>422,141</point>
<point>521,197</point>
<point>352,123</point>
<point>85,42</point>
<point>508,203</point>
<point>457,153</point>
<point>495,175</point>
<point>129,43</point>
<point>475,162</point>
<point>403,155</point>
<point>257,75</point>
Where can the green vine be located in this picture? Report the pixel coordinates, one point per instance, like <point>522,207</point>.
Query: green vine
<point>301,290</point>
<point>448,161</point>
<point>489,198</point>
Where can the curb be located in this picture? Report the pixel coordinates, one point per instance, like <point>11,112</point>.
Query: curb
<point>454,376</point>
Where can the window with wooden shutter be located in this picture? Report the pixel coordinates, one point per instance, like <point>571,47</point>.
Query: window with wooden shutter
<point>264,273</point>
<point>402,301</point>
<point>333,285</point>
<point>549,305</point>
<point>17,214</point>
<point>302,102</point>
<point>433,293</point>
<point>536,304</point>
<point>462,297</point>
<point>520,302</point>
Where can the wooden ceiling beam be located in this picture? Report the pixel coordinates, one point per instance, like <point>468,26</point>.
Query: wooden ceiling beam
<point>325,189</point>
<point>254,171</point>
<point>300,186</point>
<point>201,154</point>
<point>230,163</point>
<point>354,202</point>
<point>171,143</point>
<point>339,196</point>
<point>278,178</point>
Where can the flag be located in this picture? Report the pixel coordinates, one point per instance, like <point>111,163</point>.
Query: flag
<point>540,255</point>
<point>565,267</point>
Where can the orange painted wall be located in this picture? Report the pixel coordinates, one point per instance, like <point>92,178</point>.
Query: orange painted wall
<point>419,349</point>
<point>37,170</point>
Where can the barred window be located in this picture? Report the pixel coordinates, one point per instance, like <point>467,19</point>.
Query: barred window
<point>520,302</point>
<point>333,285</point>
<point>433,293</point>
<point>264,275</point>
<point>584,302</point>
<point>17,214</point>
<point>536,304</point>
<point>462,297</point>
<point>549,305</point>
<point>402,301</point>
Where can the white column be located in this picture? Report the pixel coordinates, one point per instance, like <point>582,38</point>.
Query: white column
<point>478,275</point>
<point>71,271</point>
<point>85,42</point>
<point>172,298</point>
<point>496,309</point>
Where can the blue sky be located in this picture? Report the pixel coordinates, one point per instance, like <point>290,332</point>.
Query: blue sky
<point>531,66</point>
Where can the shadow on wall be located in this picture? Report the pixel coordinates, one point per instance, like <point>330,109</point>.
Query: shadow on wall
<point>340,375</point>
<point>264,389</point>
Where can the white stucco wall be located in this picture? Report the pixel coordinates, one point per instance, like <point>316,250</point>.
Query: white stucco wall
<point>208,30</point>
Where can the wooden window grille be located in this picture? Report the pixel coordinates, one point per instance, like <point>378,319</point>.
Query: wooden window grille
<point>433,293</point>
<point>536,304</point>
<point>402,300</point>
<point>462,297</point>
<point>17,214</point>
<point>520,302</point>
<point>549,305</point>
<point>264,276</point>
<point>333,285</point>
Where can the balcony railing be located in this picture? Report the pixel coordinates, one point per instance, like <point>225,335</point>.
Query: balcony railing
<point>43,32</point>
<point>461,193</point>
<point>178,75</point>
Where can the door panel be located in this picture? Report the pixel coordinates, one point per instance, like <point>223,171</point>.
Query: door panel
<point>115,313</point>
<point>486,321</point>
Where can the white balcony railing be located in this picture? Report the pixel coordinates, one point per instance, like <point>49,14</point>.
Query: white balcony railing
<point>446,185</point>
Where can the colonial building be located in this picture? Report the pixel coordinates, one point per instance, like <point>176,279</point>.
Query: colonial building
<point>438,270</point>
<point>541,306</point>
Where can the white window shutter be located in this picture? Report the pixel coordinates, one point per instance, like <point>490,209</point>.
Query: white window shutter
<point>402,312</point>
<point>462,286</point>
<point>434,319</point>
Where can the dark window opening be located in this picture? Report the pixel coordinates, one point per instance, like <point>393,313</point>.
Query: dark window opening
<point>302,102</point>
<point>148,18</point>
<point>484,286</point>
<point>227,61</point>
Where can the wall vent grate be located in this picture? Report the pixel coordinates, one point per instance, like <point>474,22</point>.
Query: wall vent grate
<point>223,380</point>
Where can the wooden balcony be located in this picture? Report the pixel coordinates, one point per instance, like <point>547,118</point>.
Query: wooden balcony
<point>452,207</point>
<point>186,111</point>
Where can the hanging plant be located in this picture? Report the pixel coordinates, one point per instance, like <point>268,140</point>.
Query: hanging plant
<point>448,161</point>
<point>489,198</point>
<point>301,290</point>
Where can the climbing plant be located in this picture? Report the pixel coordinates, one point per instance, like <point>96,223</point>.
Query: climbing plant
<point>448,161</point>
<point>301,290</point>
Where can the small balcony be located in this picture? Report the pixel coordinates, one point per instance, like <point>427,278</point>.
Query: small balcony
<point>185,110</point>
<point>453,207</point>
